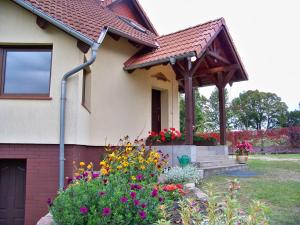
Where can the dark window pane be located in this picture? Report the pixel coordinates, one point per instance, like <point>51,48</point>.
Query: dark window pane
<point>27,72</point>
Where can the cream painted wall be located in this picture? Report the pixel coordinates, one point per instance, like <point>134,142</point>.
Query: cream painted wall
<point>120,102</point>
<point>37,121</point>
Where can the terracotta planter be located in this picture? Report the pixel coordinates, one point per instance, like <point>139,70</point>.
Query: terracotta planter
<point>242,159</point>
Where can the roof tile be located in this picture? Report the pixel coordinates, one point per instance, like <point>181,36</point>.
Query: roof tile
<point>89,17</point>
<point>193,39</point>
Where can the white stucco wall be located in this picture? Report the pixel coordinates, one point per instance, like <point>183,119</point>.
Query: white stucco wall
<point>121,102</point>
<point>37,121</point>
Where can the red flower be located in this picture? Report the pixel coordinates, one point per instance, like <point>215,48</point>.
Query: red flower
<point>180,186</point>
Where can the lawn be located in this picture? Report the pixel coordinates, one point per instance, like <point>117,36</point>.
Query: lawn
<point>278,156</point>
<point>277,184</point>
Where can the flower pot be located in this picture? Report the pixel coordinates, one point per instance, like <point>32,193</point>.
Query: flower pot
<point>242,159</point>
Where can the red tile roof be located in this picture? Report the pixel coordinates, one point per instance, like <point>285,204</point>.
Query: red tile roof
<point>89,17</point>
<point>193,40</point>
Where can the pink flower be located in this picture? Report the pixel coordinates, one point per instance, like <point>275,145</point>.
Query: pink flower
<point>139,177</point>
<point>143,205</point>
<point>132,195</point>
<point>106,212</point>
<point>136,202</point>
<point>142,214</point>
<point>123,199</point>
<point>84,210</point>
<point>101,194</point>
<point>49,202</point>
<point>154,192</point>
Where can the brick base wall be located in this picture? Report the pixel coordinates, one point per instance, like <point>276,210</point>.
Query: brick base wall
<point>43,170</point>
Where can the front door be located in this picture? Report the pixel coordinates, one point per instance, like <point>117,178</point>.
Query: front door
<point>156,111</point>
<point>12,191</point>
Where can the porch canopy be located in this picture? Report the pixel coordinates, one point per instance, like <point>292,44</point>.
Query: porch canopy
<point>200,56</point>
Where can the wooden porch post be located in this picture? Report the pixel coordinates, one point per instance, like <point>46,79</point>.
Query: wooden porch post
<point>188,88</point>
<point>194,107</point>
<point>222,115</point>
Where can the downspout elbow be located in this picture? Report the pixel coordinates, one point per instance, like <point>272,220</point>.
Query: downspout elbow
<point>94,49</point>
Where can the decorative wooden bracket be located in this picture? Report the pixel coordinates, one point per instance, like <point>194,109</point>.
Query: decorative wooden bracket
<point>43,24</point>
<point>218,57</point>
<point>83,46</point>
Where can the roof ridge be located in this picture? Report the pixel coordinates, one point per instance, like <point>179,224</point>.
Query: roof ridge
<point>191,27</point>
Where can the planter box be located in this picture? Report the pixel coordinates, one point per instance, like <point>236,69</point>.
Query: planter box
<point>205,143</point>
<point>197,143</point>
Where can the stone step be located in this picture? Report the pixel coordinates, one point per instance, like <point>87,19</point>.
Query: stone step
<point>204,153</point>
<point>214,170</point>
<point>210,163</point>
<point>212,158</point>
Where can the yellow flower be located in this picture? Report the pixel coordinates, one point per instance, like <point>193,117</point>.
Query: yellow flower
<point>119,167</point>
<point>82,164</point>
<point>125,164</point>
<point>104,171</point>
<point>90,166</point>
<point>103,163</point>
<point>133,178</point>
<point>142,167</point>
<point>112,155</point>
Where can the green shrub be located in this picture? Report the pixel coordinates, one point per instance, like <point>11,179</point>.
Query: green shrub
<point>182,175</point>
<point>108,200</point>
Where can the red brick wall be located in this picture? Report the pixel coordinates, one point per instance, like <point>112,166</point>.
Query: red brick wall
<point>43,169</point>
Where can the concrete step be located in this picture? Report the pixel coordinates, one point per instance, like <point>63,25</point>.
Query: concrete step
<point>212,158</point>
<point>214,170</point>
<point>211,163</point>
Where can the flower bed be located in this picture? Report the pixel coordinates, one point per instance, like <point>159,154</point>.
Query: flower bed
<point>126,191</point>
<point>172,136</point>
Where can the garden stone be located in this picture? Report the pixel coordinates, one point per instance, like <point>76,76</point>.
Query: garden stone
<point>195,192</point>
<point>46,220</point>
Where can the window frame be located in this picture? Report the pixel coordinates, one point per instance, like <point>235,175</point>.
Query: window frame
<point>3,58</point>
<point>86,72</point>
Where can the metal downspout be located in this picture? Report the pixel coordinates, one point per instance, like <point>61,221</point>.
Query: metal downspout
<point>72,72</point>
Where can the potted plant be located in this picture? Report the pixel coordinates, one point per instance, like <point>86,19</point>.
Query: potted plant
<point>242,151</point>
<point>205,139</point>
<point>165,137</point>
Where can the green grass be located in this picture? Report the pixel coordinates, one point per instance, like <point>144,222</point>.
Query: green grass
<point>279,156</point>
<point>278,185</point>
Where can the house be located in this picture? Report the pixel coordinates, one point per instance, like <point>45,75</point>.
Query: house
<point>79,74</point>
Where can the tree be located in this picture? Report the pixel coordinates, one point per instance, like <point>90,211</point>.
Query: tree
<point>258,110</point>
<point>294,118</point>
<point>200,100</point>
<point>211,110</point>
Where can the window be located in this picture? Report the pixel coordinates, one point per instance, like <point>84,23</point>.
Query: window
<point>133,24</point>
<point>25,72</point>
<point>86,89</point>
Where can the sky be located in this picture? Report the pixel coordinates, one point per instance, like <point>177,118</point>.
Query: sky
<point>266,34</point>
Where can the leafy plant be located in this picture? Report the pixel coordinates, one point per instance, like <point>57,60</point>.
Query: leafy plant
<point>165,136</point>
<point>123,192</point>
<point>243,148</point>
<point>182,175</point>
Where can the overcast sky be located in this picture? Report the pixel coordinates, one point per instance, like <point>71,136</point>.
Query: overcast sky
<point>266,34</point>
